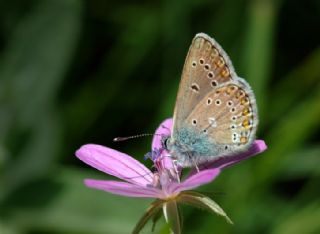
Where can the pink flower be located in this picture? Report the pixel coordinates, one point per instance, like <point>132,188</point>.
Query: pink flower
<point>164,184</point>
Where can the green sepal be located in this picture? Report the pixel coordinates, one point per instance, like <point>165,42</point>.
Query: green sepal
<point>155,219</point>
<point>152,212</point>
<point>172,216</point>
<point>201,201</point>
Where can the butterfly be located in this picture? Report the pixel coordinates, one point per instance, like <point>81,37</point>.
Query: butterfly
<point>215,113</point>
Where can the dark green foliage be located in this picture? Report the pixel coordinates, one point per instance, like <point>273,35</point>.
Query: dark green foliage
<point>75,72</point>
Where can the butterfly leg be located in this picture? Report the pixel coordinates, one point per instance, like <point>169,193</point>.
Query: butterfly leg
<point>177,172</point>
<point>193,162</point>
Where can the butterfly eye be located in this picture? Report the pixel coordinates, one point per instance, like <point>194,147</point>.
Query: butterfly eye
<point>205,131</point>
<point>206,66</point>
<point>233,118</point>
<point>209,101</point>
<point>165,143</point>
<point>201,61</point>
<point>233,126</point>
<point>230,103</point>
<point>218,102</point>
<point>233,109</point>
<point>226,147</point>
<point>194,63</point>
<point>194,122</point>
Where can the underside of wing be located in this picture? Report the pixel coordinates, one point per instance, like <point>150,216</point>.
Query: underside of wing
<point>207,66</point>
<point>228,117</point>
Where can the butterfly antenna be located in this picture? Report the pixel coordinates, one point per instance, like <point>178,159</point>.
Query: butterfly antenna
<point>117,139</point>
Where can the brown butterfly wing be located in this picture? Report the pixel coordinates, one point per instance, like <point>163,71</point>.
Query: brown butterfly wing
<point>215,113</point>
<point>207,66</point>
<point>227,116</point>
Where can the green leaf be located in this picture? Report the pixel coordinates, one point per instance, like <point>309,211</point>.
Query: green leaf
<point>3,156</point>
<point>5,229</point>
<point>36,158</point>
<point>305,220</point>
<point>258,48</point>
<point>309,167</point>
<point>309,71</point>
<point>35,62</point>
<point>78,209</point>
<point>105,85</point>
<point>36,59</point>
<point>201,201</point>
<point>155,219</point>
<point>303,120</point>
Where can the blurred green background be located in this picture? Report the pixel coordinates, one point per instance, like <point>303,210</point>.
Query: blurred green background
<point>74,72</point>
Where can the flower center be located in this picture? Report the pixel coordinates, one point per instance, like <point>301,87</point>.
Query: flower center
<point>166,175</point>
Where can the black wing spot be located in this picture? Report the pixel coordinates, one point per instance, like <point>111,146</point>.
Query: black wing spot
<point>195,87</point>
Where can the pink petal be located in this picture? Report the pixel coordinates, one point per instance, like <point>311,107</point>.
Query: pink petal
<point>196,180</point>
<point>257,147</point>
<point>115,163</point>
<point>163,130</point>
<point>123,188</point>
<point>168,163</point>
